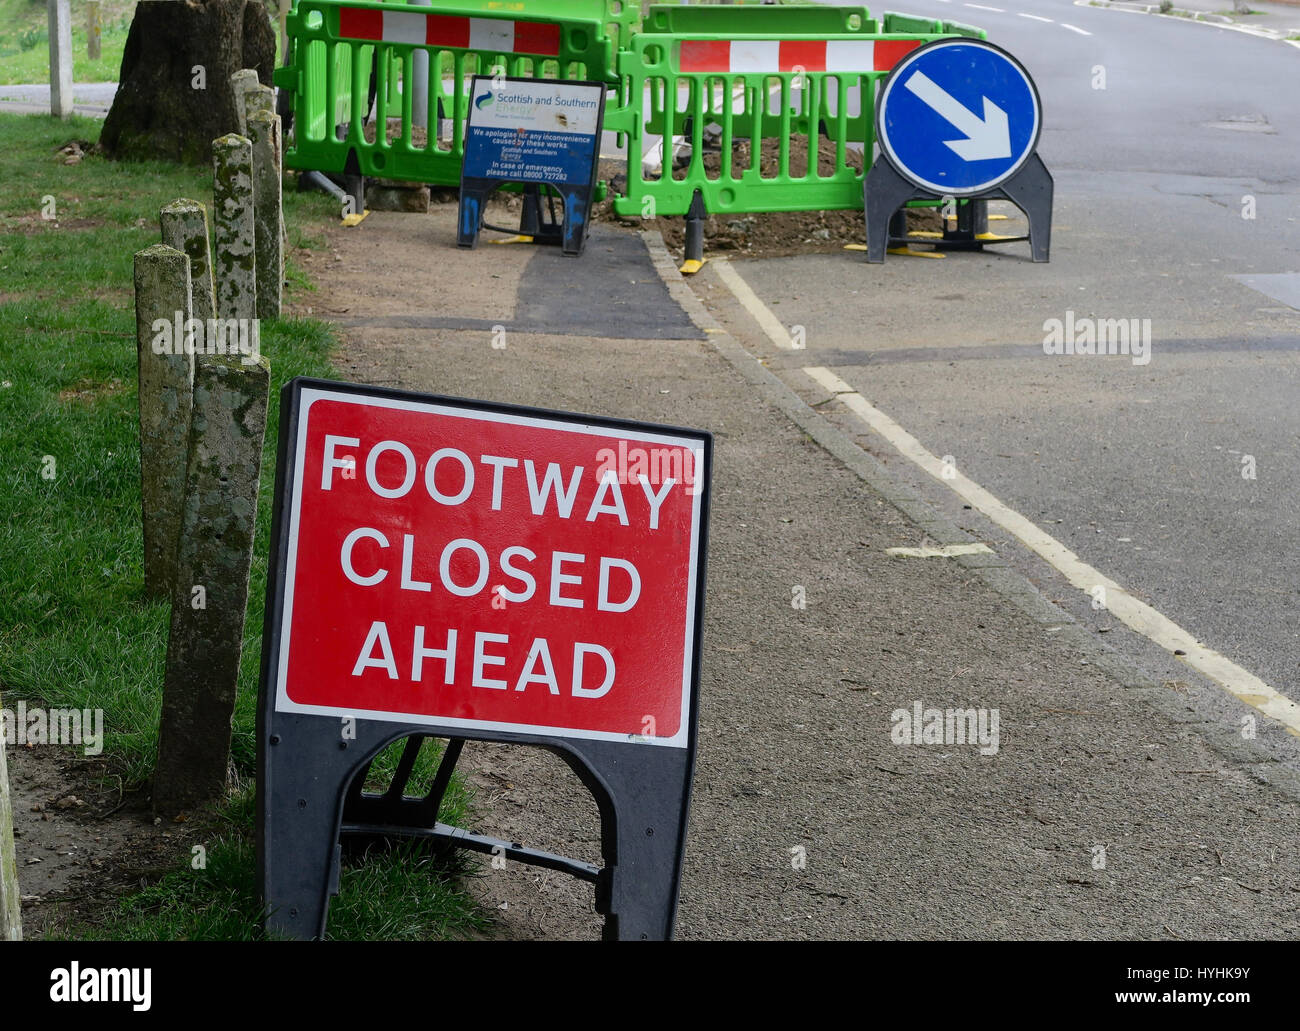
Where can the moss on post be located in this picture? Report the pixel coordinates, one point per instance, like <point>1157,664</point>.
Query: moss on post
<point>264,130</point>
<point>213,559</point>
<point>184,226</point>
<point>166,378</point>
<point>234,263</point>
<point>241,82</point>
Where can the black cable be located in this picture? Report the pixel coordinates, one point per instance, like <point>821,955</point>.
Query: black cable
<point>550,205</point>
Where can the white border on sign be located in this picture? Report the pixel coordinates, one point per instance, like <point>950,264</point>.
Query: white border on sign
<point>283,703</point>
<point>947,190</point>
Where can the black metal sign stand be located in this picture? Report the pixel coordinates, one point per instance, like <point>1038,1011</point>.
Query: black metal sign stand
<point>311,773</point>
<point>569,231</point>
<point>1030,188</point>
<point>309,793</point>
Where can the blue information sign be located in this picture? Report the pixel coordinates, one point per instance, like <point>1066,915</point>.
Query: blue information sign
<point>533,131</point>
<point>542,133</point>
<point>958,117</point>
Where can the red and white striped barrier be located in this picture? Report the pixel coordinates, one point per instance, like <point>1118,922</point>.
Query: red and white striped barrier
<point>788,55</point>
<point>491,35</point>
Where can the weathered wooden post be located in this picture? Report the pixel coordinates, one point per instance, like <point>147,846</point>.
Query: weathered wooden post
<point>94,30</point>
<point>240,83</point>
<point>11,926</point>
<point>59,18</point>
<point>264,130</point>
<point>257,98</point>
<point>184,225</point>
<point>166,378</point>
<point>214,555</point>
<point>234,271</point>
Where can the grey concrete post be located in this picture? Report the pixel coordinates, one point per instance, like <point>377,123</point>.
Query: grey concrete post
<point>213,559</point>
<point>60,29</point>
<point>264,130</point>
<point>166,378</point>
<point>419,84</point>
<point>234,270</point>
<point>284,30</point>
<point>184,226</point>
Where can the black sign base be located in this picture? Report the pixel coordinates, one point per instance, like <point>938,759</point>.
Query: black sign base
<point>570,232</point>
<point>1030,189</point>
<point>309,793</point>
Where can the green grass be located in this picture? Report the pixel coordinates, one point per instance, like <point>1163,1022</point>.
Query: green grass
<point>24,41</point>
<point>402,894</point>
<point>75,630</point>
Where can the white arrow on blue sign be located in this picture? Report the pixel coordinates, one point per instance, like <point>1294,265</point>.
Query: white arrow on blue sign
<point>958,116</point>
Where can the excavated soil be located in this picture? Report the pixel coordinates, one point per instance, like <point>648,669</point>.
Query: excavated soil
<point>771,234</point>
<point>766,235</point>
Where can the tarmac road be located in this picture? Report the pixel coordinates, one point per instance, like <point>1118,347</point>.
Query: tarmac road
<point>1175,478</point>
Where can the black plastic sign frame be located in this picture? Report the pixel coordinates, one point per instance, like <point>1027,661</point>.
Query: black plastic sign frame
<point>887,187</point>
<point>576,194</point>
<point>309,788</point>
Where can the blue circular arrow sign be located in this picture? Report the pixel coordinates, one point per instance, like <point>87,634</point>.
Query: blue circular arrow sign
<point>958,116</point>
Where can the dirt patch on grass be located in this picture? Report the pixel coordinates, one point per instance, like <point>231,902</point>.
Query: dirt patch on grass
<point>81,841</point>
<point>87,391</point>
<point>30,225</point>
<point>73,151</point>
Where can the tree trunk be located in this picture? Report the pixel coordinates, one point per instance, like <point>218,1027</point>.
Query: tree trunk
<point>174,96</point>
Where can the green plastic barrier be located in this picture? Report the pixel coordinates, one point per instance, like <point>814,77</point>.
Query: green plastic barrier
<point>338,44</point>
<point>803,19</point>
<point>621,20</point>
<point>668,91</point>
<point>621,17</point>
<point>891,21</point>
<point>957,28</point>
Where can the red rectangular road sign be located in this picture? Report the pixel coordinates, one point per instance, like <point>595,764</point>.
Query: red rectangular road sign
<point>481,567</point>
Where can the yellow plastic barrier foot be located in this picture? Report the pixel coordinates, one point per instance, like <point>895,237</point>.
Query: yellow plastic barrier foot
<point>515,239</point>
<point>995,237</point>
<point>355,219</point>
<point>691,266</point>
<point>908,252</point>
<point>900,250</point>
